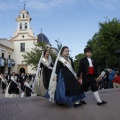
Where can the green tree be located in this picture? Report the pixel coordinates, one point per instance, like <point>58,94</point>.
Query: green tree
<point>32,57</point>
<point>105,42</point>
<point>77,60</point>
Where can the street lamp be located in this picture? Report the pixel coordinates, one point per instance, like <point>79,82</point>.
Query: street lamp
<point>59,45</point>
<point>117,53</point>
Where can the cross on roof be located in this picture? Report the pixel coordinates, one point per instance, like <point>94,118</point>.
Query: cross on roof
<point>41,30</point>
<point>24,5</point>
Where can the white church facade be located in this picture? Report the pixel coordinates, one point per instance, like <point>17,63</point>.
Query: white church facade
<point>22,41</point>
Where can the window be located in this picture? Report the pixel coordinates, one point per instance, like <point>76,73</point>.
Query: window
<point>22,47</point>
<point>9,56</point>
<point>20,25</point>
<point>25,25</point>
<point>2,55</point>
<point>23,16</point>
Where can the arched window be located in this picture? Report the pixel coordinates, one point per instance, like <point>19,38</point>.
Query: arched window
<point>20,25</point>
<point>23,16</point>
<point>25,25</point>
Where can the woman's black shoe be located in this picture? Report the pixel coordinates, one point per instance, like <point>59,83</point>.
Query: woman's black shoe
<point>83,102</point>
<point>60,104</point>
<point>101,103</point>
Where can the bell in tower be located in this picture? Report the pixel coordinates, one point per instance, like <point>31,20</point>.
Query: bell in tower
<point>23,21</point>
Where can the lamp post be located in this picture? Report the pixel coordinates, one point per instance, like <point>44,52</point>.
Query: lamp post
<point>59,45</point>
<point>117,53</point>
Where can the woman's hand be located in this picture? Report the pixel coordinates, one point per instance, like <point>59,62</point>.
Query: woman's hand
<point>55,78</point>
<point>80,81</point>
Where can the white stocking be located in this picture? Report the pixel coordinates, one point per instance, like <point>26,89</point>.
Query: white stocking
<point>97,97</point>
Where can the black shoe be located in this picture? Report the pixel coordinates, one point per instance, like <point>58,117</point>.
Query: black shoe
<point>60,104</point>
<point>76,105</point>
<point>83,102</point>
<point>102,103</point>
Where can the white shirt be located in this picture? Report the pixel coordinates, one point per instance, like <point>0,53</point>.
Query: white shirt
<point>90,62</point>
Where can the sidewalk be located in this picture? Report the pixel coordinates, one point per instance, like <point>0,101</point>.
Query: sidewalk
<point>39,108</point>
<point>1,94</point>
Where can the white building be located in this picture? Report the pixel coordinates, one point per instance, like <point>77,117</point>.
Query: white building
<point>22,41</point>
<point>6,51</point>
<point>6,48</point>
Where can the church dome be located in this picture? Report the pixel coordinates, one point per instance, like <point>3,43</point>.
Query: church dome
<point>42,38</point>
<point>24,11</point>
<point>23,14</point>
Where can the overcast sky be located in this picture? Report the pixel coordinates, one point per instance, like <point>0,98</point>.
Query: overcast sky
<point>73,22</point>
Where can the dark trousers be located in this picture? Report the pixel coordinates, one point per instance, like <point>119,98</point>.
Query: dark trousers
<point>3,86</point>
<point>89,82</point>
<point>3,69</point>
<point>9,69</point>
<point>110,84</point>
<point>28,91</point>
<point>22,87</point>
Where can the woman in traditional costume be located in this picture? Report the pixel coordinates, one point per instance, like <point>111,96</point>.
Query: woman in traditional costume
<point>12,90</point>
<point>4,83</point>
<point>64,87</point>
<point>28,89</point>
<point>43,74</point>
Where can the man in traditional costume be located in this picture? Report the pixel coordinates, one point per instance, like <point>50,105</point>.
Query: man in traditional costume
<point>22,79</point>
<point>88,74</point>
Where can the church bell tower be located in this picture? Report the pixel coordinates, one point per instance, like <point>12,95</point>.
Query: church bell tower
<point>23,24</point>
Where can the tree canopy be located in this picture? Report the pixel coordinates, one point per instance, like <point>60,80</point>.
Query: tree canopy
<point>77,60</point>
<point>104,43</point>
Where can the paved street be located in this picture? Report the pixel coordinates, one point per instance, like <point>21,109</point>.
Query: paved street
<point>38,108</point>
<point>1,95</point>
